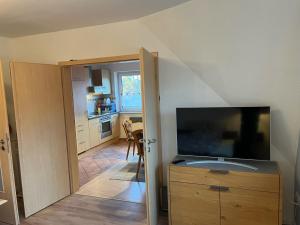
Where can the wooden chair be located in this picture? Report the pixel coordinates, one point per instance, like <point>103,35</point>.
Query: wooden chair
<point>138,140</point>
<point>128,131</point>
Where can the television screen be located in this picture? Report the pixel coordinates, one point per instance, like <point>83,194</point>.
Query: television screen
<point>229,132</point>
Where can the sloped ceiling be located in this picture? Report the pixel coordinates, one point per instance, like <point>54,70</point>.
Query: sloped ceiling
<point>25,17</point>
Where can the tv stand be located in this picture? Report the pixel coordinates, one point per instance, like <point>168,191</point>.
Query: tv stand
<point>237,192</point>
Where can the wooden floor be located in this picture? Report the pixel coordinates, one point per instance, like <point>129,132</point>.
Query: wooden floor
<point>86,210</point>
<point>90,210</point>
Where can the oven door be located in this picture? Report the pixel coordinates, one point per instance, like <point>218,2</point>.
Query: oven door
<point>106,129</point>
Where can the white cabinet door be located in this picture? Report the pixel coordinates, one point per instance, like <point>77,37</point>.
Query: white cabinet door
<point>106,84</point>
<point>115,125</point>
<point>94,128</point>
<point>82,136</point>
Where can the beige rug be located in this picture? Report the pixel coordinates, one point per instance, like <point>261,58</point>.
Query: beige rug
<point>103,186</point>
<point>128,173</point>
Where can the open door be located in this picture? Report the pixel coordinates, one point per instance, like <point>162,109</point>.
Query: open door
<point>151,132</point>
<point>9,209</point>
<point>40,121</point>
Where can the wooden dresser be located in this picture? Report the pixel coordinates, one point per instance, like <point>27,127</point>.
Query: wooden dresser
<point>214,194</point>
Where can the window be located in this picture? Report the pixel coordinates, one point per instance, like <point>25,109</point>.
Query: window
<point>130,91</point>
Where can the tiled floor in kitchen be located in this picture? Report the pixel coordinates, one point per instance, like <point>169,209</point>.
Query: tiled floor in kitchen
<point>102,174</point>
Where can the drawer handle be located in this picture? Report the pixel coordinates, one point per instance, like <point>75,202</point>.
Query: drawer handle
<point>222,188</point>
<point>80,131</point>
<point>219,171</point>
<point>214,188</point>
<point>218,188</point>
<point>81,142</point>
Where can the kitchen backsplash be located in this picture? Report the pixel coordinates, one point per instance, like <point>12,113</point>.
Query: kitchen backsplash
<point>91,104</point>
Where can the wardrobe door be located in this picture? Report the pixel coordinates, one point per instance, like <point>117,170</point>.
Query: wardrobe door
<point>193,204</point>
<point>247,207</point>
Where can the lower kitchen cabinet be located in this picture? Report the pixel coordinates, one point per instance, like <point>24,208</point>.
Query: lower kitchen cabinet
<point>82,136</point>
<point>95,132</point>
<point>115,123</point>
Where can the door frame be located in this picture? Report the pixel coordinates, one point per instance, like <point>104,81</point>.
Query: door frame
<point>70,115</point>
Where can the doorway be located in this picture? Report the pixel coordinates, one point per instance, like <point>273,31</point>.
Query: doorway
<point>151,126</point>
<point>109,127</point>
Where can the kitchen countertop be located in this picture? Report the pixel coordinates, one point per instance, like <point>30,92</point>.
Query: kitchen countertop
<point>90,117</point>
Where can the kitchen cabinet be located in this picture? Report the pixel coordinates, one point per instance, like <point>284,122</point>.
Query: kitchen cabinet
<point>79,86</point>
<point>95,132</point>
<point>82,136</point>
<point>115,122</point>
<point>80,73</point>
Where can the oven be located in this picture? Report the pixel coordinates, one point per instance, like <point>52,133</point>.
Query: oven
<point>106,126</point>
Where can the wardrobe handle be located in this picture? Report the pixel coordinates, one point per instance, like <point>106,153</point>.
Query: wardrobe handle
<point>214,188</point>
<point>219,171</point>
<point>222,188</point>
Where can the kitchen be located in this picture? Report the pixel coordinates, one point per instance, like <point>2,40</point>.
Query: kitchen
<point>105,97</point>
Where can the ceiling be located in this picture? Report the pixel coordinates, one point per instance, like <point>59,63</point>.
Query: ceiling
<point>26,17</point>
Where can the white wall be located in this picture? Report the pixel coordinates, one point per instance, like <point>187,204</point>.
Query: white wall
<point>249,53</point>
<point>245,51</point>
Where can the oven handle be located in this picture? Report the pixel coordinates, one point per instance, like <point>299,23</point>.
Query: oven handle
<point>104,121</point>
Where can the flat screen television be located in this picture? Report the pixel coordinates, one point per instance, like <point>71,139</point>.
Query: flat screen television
<point>226,132</point>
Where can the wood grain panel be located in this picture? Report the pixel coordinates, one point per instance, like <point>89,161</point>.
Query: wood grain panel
<point>8,210</point>
<point>193,204</point>
<point>39,110</point>
<point>70,128</point>
<point>244,180</point>
<point>244,207</point>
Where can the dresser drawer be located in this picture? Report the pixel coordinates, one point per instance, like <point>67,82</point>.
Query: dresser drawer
<point>244,180</point>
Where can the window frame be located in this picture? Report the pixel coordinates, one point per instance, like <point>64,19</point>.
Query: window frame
<point>120,87</point>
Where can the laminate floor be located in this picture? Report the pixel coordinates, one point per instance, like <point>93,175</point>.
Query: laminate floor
<point>86,210</point>
<point>88,207</point>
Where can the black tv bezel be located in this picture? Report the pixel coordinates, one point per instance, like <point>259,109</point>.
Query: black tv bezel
<point>224,158</point>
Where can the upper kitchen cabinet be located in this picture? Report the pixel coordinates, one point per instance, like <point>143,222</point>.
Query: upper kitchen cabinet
<point>106,84</point>
<point>80,73</point>
<point>80,76</point>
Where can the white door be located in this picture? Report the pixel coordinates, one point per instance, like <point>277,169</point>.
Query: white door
<point>151,131</point>
<point>40,120</point>
<point>8,210</point>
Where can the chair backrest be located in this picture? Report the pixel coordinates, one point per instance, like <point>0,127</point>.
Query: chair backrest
<point>138,139</point>
<point>128,129</point>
